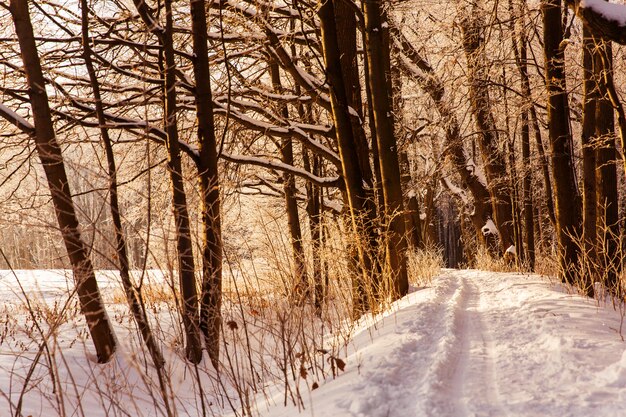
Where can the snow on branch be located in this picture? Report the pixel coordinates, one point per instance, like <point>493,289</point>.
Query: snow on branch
<point>459,192</point>
<point>16,120</point>
<point>138,128</point>
<point>294,131</point>
<point>490,228</point>
<point>281,166</point>
<point>605,20</point>
<point>269,95</point>
<point>265,187</point>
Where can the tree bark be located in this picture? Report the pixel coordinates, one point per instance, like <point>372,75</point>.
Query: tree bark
<point>186,264</point>
<point>313,208</point>
<point>211,296</point>
<point>529,229</point>
<point>606,185</point>
<point>314,203</point>
<point>615,101</point>
<point>545,166</point>
<point>362,210</point>
<point>429,236</point>
<point>590,99</point>
<point>346,24</point>
<point>412,213</point>
<point>49,152</point>
<point>132,295</point>
<point>301,284</point>
<point>521,59</point>
<point>568,200</point>
<point>381,96</point>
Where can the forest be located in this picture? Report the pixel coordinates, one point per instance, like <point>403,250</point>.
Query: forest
<point>226,188</point>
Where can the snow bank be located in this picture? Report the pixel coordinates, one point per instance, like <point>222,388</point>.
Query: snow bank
<point>610,11</point>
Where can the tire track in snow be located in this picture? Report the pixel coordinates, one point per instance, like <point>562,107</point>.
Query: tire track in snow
<point>461,379</point>
<point>481,392</point>
<point>426,349</point>
<point>446,347</point>
<point>442,385</point>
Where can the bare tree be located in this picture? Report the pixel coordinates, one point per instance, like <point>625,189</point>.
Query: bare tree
<point>493,158</point>
<point>362,210</point>
<point>211,298</point>
<point>52,161</point>
<point>381,98</point>
<point>132,295</point>
<point>568,200</point>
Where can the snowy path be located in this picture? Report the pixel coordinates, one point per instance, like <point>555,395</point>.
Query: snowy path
<point>482,344</point>
<point>462,380</point>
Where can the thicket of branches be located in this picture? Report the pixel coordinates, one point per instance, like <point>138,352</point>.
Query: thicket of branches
<point>463,126</point>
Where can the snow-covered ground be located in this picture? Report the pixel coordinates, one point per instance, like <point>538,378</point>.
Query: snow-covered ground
<point>472,344</point>
<point>482,344</point>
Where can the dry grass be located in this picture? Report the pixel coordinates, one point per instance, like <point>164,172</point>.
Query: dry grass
<point>547,264</point>
<point>486,261</point>
<point>269,344</point>
<point>424,265</point>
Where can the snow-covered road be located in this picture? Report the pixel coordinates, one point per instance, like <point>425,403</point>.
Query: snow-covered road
<point>482,344</point>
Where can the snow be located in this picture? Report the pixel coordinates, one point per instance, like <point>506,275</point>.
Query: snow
<point>473,343</point>
<point>353,112</point>
<point>490,228</point>
<point>511,249</point>
<point>15,118</point>
<point>276,164</point>
<point>473,168</point>
<point>481,344</point>
<point>459,192</point>
<point>611,11</point>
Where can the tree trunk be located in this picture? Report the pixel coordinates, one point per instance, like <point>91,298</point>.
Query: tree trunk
<point>568,200</point>
<point>615,100</point>
<point>387,148</point>
<point>515,203</point>
<point>429,231</point>
<point>186,267</point>
<point>378,191</point>
<point>545,166</point>
<point>362,210</point>
<point>132,295</point>
<point>49,152</point>
<point>313,163</point>
<point>412,214</point>
<point>606,186</point>
<point>300,288</point>
<point>346,24</point>
<point>521,59</point>
<point>313,209</point>
<point>590,98</point>
<point>529,230</point>
<point>211,298</point>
